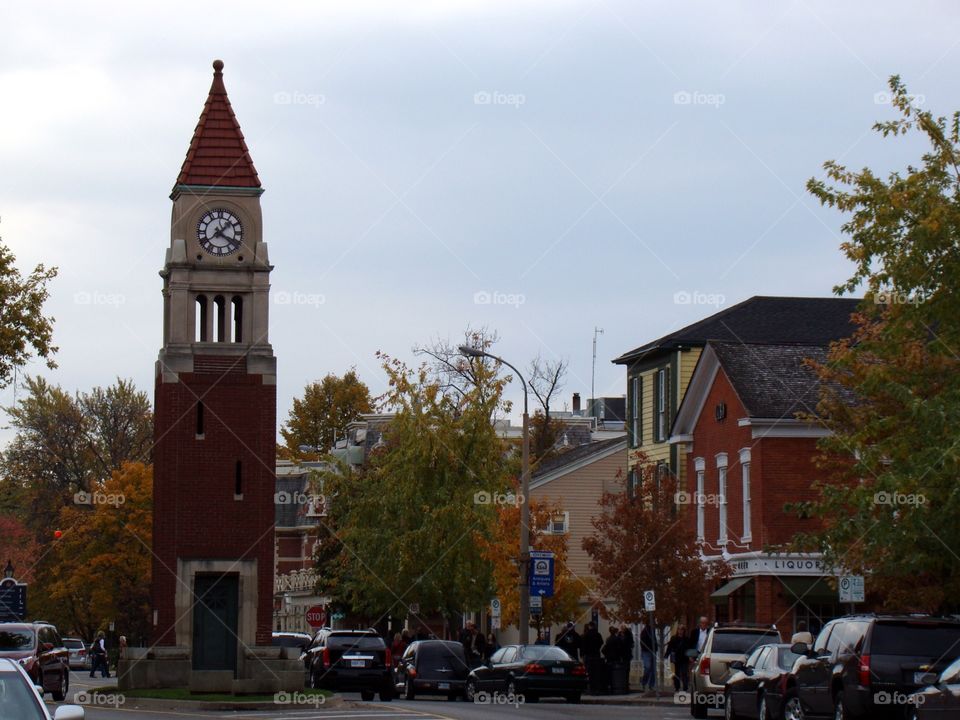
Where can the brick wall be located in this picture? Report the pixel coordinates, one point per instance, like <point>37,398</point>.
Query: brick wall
<point>195,512</point>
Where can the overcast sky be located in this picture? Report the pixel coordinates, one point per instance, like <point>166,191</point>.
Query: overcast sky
<point>541,168</point>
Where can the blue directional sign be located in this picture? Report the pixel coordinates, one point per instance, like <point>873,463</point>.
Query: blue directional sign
<point>540,573</point>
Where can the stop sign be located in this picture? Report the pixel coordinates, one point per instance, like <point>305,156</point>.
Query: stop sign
<point>316,616</point>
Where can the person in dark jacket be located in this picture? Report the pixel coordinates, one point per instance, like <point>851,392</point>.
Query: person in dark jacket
<point>590,645</point>
<point>612,649</point>
<point>676,651</point>
<point>569,641</point>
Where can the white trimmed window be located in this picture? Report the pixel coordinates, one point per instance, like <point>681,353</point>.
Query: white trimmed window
<point>722,496</point>
<point>661,400</point>
<point>745,478</point>
<point>560,523</point>
<point>635,400</point>
<point>700,468</point>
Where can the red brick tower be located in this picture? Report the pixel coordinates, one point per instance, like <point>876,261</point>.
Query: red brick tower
<point>215,424</point>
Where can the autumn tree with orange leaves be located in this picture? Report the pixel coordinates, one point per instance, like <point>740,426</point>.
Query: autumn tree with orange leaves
<point>99,570</point>
<point>502,550</point>
<point>644,541</point>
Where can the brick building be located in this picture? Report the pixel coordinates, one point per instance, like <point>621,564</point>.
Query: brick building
<point>748,455</point>
<point>301,508</point>
<point>659,371</point>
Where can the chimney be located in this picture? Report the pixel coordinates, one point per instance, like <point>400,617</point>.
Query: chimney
<point>576,404</point>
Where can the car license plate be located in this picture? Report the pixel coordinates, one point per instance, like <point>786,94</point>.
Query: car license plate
<point>443,686</point>
<point>357,663</point>
<point>558,671</point>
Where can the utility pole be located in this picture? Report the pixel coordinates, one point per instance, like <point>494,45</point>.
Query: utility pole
<point>593,369</point>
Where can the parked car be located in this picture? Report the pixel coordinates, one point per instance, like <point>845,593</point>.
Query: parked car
<point>432,667</point>
<point>725,643</point>
<point>20,699</point>
<point>940,699</point>
<point>756,689</point>
<point>865,666</point>
<point>533,671</point>
<point>299,640</point>
<point>78,653</point>
<point>40,651</point>
<point>350,661</point>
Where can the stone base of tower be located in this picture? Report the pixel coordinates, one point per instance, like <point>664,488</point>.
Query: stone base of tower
<point>263,671</point>
<point>210,633</point>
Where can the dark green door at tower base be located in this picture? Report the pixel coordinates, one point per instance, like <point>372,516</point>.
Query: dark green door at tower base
<point>215,622</point>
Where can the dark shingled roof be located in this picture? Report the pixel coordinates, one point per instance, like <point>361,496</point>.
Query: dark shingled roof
<point>772,381</point>
<point>802,321</point>
<point>576,454</point>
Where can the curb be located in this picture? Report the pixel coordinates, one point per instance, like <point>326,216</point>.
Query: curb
<point>664,699</point>
<point>333,702</point>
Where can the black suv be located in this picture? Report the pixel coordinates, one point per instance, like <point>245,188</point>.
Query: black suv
<point>432,667</point>
<point>40,651</point>
<point>350,661</point>
<point>865,666</point>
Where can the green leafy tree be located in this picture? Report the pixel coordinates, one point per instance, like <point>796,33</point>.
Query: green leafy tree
<point>66,443</point>
<point>24,329</point>
<point>407,527</point>
<point>887,497</point>
<point>323,413</point>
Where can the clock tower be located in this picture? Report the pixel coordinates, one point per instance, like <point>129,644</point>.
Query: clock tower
<point>215,427</point>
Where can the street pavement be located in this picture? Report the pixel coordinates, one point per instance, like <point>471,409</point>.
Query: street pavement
<point>82,687</point>
<point>428,708</point>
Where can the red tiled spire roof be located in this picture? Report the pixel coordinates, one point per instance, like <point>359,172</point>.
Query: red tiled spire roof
<point>218,154</point>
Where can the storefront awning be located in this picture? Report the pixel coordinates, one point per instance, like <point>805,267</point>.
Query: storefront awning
<point>721,594</point>
<point>810,590</point>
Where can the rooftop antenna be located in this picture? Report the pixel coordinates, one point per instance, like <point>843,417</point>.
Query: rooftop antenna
<point>593,370</point>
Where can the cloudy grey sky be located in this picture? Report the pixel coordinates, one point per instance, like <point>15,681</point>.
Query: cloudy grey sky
<point>539,167</point>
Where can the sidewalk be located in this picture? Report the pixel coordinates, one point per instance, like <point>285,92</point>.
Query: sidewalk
<point>637,698</point>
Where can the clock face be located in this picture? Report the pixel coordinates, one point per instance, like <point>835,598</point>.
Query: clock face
<point>220,232</point>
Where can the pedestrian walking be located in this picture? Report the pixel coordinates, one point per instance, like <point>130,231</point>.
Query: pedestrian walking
<point>590,644</point>
<point>569,641</point>
<point>491,646</point>
<point>676,651</point>
<point>699,636</point>
<point>99,654</point>
<point>541,638</point>
<point>802,635</point>
<point>648,655</point>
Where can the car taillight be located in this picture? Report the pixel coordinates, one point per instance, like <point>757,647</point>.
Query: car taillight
<point>865,670</point>
<point>388,658</point>
<point>704,668</point>
<point>326,657</point>
<point>580,670</point>
<point>534,669</point>
<point>412,672</point>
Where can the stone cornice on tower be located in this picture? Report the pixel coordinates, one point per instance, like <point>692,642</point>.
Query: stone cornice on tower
<point>218,156</point>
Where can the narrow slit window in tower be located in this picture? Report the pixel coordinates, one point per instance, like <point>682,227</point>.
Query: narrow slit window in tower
<point>237,318</point>
<point>201,334</point>
<point>219,318</point>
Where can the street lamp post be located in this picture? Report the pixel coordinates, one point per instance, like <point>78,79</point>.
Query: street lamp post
<point>524,586</point>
